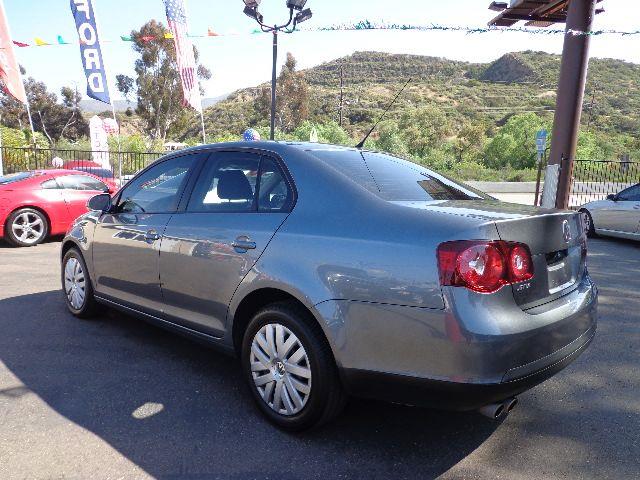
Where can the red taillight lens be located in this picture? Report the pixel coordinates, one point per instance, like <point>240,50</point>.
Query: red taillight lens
<point>484,266</point>
<point>520,266</point>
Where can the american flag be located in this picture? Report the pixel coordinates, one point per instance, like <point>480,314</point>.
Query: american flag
<point>177,19</point>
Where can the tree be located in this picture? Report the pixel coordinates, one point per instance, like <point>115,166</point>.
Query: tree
<point>469,142</point>
<point>158,88</point>
<point>329,132</point>
<point>390,139</point>
<point>515,142</point>
<point>424,129</point>
<point>75,126</point>
<point>53,119</point>
<point>292,102</point>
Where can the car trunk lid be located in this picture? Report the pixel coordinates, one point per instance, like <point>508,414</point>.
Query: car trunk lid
<point>555,238</point>
<point>558,249</point>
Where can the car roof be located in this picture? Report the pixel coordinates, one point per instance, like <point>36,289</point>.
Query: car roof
<point>276,146</point>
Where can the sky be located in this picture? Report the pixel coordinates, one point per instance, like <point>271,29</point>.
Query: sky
<point>239,59</point>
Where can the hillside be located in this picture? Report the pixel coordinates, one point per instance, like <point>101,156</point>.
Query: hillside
<point>514,83</point>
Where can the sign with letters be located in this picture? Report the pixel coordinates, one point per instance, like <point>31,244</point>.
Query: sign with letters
<point>90,52</point>
<point>541,141</point>
<point>99,142</point>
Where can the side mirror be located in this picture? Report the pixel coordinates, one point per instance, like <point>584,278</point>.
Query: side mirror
<point>613,197</point>
<point>100,203</point>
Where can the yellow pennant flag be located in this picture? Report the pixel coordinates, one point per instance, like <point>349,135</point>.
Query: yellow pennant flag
<point>40,42</point>
<point>168,35</point>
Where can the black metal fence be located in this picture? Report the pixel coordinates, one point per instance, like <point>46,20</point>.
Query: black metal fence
<point>21,159</point>
<point>595,179</point>
<point>592,179</point>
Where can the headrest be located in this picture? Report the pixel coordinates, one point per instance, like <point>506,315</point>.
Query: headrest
<point>233,185</point>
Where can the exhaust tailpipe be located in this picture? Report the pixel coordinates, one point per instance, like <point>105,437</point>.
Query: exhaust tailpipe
<point>495,411</point>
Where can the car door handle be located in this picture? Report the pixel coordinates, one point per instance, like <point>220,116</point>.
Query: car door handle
<point>151,236</point>
<point>243,243</point>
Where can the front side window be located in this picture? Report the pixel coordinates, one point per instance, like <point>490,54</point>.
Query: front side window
<point>227,183</point>
<point>81,182</point>
<point>158,189</point>
<point>631,194</point>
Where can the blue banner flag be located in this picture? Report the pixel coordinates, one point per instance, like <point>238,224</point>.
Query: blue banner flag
<point>90,52</point>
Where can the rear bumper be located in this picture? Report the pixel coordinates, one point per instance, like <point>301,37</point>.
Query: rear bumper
<point>462,396</point>
<point>1,231</point>
<point>476,351</point>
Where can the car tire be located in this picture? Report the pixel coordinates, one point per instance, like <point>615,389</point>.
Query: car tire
<point>76,285</point>
<point>588,220</point>
<point>295,385</point>
<point>26,227</point>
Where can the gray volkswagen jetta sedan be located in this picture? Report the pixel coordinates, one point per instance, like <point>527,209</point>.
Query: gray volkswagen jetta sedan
<point>331,271</point>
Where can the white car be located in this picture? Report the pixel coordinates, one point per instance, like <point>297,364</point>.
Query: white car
<point>617,216</point>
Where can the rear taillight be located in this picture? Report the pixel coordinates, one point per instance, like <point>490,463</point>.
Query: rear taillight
<point>484,266</point>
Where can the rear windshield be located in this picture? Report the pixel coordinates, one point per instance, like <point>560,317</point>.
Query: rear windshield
<point>99,172</point>
<point>15,177</point>
<point>395,179</point>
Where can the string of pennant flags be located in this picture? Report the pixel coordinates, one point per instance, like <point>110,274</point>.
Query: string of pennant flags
<point>360,26</point>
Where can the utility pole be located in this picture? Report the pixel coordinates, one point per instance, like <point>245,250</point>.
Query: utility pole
<point>341,92</point>
<point>566,124</point>
<point>273,83</point>
<point>592,104</point>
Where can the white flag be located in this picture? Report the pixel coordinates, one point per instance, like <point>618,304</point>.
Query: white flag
<point>99,144</point>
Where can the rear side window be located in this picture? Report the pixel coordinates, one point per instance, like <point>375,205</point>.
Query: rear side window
<point>241,182</point>
<point>395,179</point>
<point>50,185</point>
<point>227,183</point>
<point>15,177</point>
<point>274,193</point>
<point>81,182</point>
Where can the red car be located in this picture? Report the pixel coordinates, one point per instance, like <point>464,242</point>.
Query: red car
<point>40,203</point>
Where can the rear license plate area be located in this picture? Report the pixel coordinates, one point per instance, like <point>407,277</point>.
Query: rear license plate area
<point>563,268</point>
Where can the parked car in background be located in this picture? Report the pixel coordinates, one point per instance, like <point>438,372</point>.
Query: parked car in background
<point>40,203</point>
<point>617,216</point>
<point>332,271</point>
<point>93,168</point>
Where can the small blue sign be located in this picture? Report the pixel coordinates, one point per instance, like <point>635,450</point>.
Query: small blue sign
<point>541,141</point>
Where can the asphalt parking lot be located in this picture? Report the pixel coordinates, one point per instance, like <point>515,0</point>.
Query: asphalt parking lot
<point>118,398</point>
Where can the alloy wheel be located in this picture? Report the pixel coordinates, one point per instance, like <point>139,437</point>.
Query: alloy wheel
<point>280,369</point>
<point>74,283</point>
<point>28,228</point>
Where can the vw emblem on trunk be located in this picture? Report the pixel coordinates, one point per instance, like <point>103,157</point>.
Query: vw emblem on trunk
<point>566,231</point>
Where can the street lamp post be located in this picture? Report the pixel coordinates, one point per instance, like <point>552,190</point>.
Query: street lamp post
<point>251,10</point>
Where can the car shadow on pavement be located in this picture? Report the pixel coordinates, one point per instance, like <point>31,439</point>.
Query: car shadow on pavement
<point>176,408</point>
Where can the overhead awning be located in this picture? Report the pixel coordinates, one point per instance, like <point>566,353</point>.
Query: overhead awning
<point>537,13</point>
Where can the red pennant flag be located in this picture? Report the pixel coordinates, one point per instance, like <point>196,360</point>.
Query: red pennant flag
<point>9,69</point>
<point>148,38</point>
<point>211,33</point>
<point>20,44</point>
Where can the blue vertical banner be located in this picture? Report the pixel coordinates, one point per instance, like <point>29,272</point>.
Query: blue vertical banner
<point>90,53</point>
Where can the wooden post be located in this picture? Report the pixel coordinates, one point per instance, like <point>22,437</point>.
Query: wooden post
<point>573,74</point>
